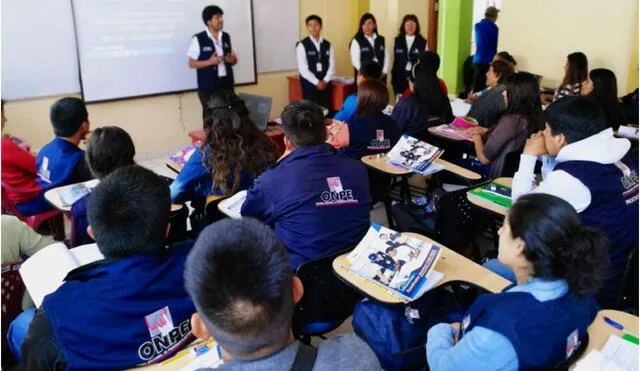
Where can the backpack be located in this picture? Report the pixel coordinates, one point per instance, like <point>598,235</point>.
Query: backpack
<point>398,334</point>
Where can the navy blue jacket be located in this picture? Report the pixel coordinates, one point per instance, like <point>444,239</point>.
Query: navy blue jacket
<point>318,202</point>
<point>115,314</point>
<point>207,76</point>
<point>537,330</point>
<point>58,162</point>
<point>486,41</point>
<point>371,134</point>
<point>369,53</point>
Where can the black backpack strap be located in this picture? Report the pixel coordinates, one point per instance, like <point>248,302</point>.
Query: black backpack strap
<point>305,358</point>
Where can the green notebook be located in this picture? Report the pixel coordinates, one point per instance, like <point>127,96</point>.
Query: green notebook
<point>493,192</point>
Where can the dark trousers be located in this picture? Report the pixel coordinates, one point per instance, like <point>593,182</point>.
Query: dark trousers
<point>480,76</point>
<point>312,93</point>
<point>222,83</point>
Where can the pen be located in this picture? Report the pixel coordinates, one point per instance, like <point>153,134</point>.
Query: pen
<point>628,335</point>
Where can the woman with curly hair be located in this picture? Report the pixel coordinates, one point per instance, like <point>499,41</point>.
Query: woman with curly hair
<point>234,154</point>
<point>558,265</point>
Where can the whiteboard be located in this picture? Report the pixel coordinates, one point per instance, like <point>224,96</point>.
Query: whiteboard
<point>277,31</point>
<point>38,49</point>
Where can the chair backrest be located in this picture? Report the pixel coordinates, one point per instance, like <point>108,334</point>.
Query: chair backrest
<point>326,298</point>
<point>12,292</point>
<point>511,163</point>
<point>627,297</point>
<point>259,108</point>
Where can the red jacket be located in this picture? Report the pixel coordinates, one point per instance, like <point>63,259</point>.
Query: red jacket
<point>18,172</point>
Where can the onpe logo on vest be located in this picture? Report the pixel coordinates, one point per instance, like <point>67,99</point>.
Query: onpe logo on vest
<point>629,181</point>
<point>572,343</point>
<point>379,142</point>
<point>43,172</point>
<point>336,195</point>
<point>465,323</point>
<point>164,336</point>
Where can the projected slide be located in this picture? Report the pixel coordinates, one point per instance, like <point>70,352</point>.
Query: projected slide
<point>130,48</point>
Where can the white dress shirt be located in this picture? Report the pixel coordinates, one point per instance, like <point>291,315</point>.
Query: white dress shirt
<point>355,53</point>
<point>303,66</point>
<point>409,40</point>
<point>194,51</point>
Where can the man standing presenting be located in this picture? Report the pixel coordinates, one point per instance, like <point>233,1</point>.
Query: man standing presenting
<point>211,55</point>
<point>316,63</point>
<point>486,33</point>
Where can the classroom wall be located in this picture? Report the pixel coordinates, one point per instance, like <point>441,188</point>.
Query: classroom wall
<point>159,125</point>
<point>541,33</point>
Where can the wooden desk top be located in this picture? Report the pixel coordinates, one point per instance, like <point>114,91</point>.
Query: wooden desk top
<point>599,331</point>
<point>378,163</point>
<point>53,198</point>
<point>490,205</point>
<point>175,166</point>
<point>434,130</point>
<point>454,266</point>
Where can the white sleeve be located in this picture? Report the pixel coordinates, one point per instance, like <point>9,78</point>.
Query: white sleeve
<point>385,67</point>
<point>559,183</point>
<point>524,179</point>
<point>303,66</point>
<point>355,54</point>
<point>194,49</point>
<point>332,66</point>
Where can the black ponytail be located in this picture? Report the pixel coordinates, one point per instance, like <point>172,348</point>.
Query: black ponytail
<point>557,244</point>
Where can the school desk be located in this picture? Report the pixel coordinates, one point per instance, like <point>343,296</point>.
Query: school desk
<point>339,92</point>
<point>54,199</point>
<point>378,163</point>
<point>455,267</point>
<point>599,331</point>
<point>274,131</point>
<point>487,205</point>
<point>181,359</point>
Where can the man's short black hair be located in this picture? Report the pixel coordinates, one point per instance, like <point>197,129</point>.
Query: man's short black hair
<point>371,70</point>
<point>209,11</point>
<point>109,148</point>
<point>239,277</point>
<point>129,212</point>
<point>303,123</point>
<point>313,17</point>
<point>576,117</point>
<point>67,116</point>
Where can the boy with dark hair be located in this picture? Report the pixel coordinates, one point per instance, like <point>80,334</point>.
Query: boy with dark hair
<point>317,201</point>
<point>61,161</point>
<point>211,54</point>
<point>249,315</point>
<point>369,70</point>
<point>316,63</point>
<point>130,308</point>
<point>108,148</point>
<point>592,172</point>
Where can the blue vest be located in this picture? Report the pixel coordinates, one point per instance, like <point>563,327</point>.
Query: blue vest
<point>486,33</point>
<point>115,314</point>
<point>313,56</point>
<point>56,162</point>
<point>207,76</point>
<point>538,331</point>
<point>367,53</point>
<point>318,202</point>
<point>371,134</point>
<point>402,55</point>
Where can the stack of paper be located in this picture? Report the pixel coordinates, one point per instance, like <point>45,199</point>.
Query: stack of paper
<point>617,355</point>
<point>414,155</point>
<point>231,206</point>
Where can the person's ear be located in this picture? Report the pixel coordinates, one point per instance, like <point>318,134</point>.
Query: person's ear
<point>560,140</point>
<point>298,289</point>
<point>198,328</point>
<point>288,145</point>
<point>519,247</point>
<point>90,233</point>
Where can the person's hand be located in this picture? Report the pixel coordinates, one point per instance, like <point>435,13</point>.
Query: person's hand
<point>477,130</point>
<point>214,60</point>
<point>231,58</point>
<point>321,85</point>
<point>535,145</point>
<point>471,98</point>
<point>456,329</point>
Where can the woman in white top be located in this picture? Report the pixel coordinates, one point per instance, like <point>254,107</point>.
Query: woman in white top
<point>406,47</point>
<point>367,45</point>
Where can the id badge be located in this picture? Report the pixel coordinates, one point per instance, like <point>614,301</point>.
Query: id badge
<point>375,59</point>
<point>408,66</point>
<point>318,67</point>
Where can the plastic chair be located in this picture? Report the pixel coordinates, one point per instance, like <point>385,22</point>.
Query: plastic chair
<point>627,297</point>
<point>327,301</point>
<point>13,290</point>
<point>54,218</point>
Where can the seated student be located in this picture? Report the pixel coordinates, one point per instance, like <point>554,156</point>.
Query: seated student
<point>19,176</point>
<point>235,152</point>
<point>603,87</point>
<point>130,308</point>
<point>61,161</point>
<point>20,240</point>
<point>428,105</point>
<point>488,105</point>
<point>422,57</point>
<point>522,117</point>
<point>592,172</point>
<point>630,107</point>
<point>506,57</point>
<point>371,131</point>
<point>368,71</point>
<point>250,315</point>
<point>559,264</point>
<point>318,202</point>
<point>575,73</point>
<point>108,148</point>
